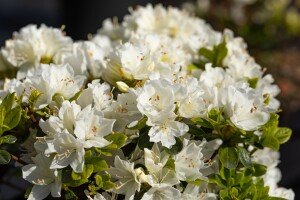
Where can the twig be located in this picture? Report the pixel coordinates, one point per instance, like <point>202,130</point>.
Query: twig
<point>17,159</point>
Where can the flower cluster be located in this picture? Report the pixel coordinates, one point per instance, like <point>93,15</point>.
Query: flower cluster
<point>160,106</point>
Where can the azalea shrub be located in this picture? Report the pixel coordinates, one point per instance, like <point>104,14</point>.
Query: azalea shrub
<point>159,106</point>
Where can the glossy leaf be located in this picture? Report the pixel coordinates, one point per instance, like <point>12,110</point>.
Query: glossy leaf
<point>244,157</point>
<point>8,139</point>
<point>176,148</point>
<point>4,157</point>
<point>228,157</point>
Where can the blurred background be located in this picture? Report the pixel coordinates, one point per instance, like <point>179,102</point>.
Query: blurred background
<point>270,27</point>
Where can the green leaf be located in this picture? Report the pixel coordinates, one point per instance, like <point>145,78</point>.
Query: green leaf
<point>224,172</point>
<point>8,139</point>
<point>283,134</point>
<point>170,164</point>
<point>76,183</point>
<point>228,157</point>
<point>220,53</point>
<point>144,139</point>
<point>224,195</point>
<point>234,192</point>
<point>70,195</point>
<point>216,178</point>
<point>141,124</point>
<point>203,122</point>
<point>253,82</point>
<point>8,101</point>
<point>98,180</point>
<point>105,152</point>
<point>2,117</point>
<point>86,173</point>
<point>192,67</point>
<point>4,157</point>
<point>197,182</point>
<point>270,141</point>
<point>259,169</point>
<point>244,157</point>
<point>176,148</point>
<point>34,96</point>
<point>119,139</point>
<point>215,114</point>
<point>108,185</point>
<point>12,118</point>
<point>75,97</point>
<point>208,54</point>
<point>216,55</point>
<point>99,165</point>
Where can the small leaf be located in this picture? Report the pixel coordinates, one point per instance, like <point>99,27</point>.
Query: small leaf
<point>244,157</point>
<point>4,157</point>
<point>144,139</point>
<point>216,178</point>
<point>170,164</point>
<point>220,53</point>
<point>8,101</point>
<point>118,139</point>
<point>86,173</point>
<point>176,148</point>
<point>228,157</point>
<point>253,82</point>
<point>99,164</point>
<point>270,141</point>
<point>75,97</point>
<point>98,180</point>
<point>224,195</point>
<point>141,124</point>
<point>8,139</point>
<point>202,122</point>
<point>283,134</point>
<point>34,96</point>
<point>70,195</point>
<point>208,54</point>
<point>108,185</point>
<point>259,169</point>
<point>12,118</point>
<point>76,183</point>
<point>224,172</point>
<point>197,182</point>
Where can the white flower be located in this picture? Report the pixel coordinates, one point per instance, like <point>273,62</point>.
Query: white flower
<point>166,132</point>
<point>91,127</point>
<point>69,151</point>
<point>154,159</point>
<point>193,33</point>
<point>97,94</point>
<point>161,185</point>
<point>188,163</point>
<point>45,180</point>
<point>127,180</point>
<point>127,61</point>
<point>51,80</point>
<point>283,193</point>
<point>124,110</point>
<point>244,107</point>
<point>85,57</point>
<point>161,192</point>
<point>156,101</point>
<point>194,192</point>
<point>32,46</point>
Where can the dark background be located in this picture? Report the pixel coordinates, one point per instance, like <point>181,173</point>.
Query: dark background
<point>82,18</point>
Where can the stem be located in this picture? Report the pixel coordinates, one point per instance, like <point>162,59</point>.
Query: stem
<point>17,159</point>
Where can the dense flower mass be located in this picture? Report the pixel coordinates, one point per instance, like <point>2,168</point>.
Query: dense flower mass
<point>160,106</point>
